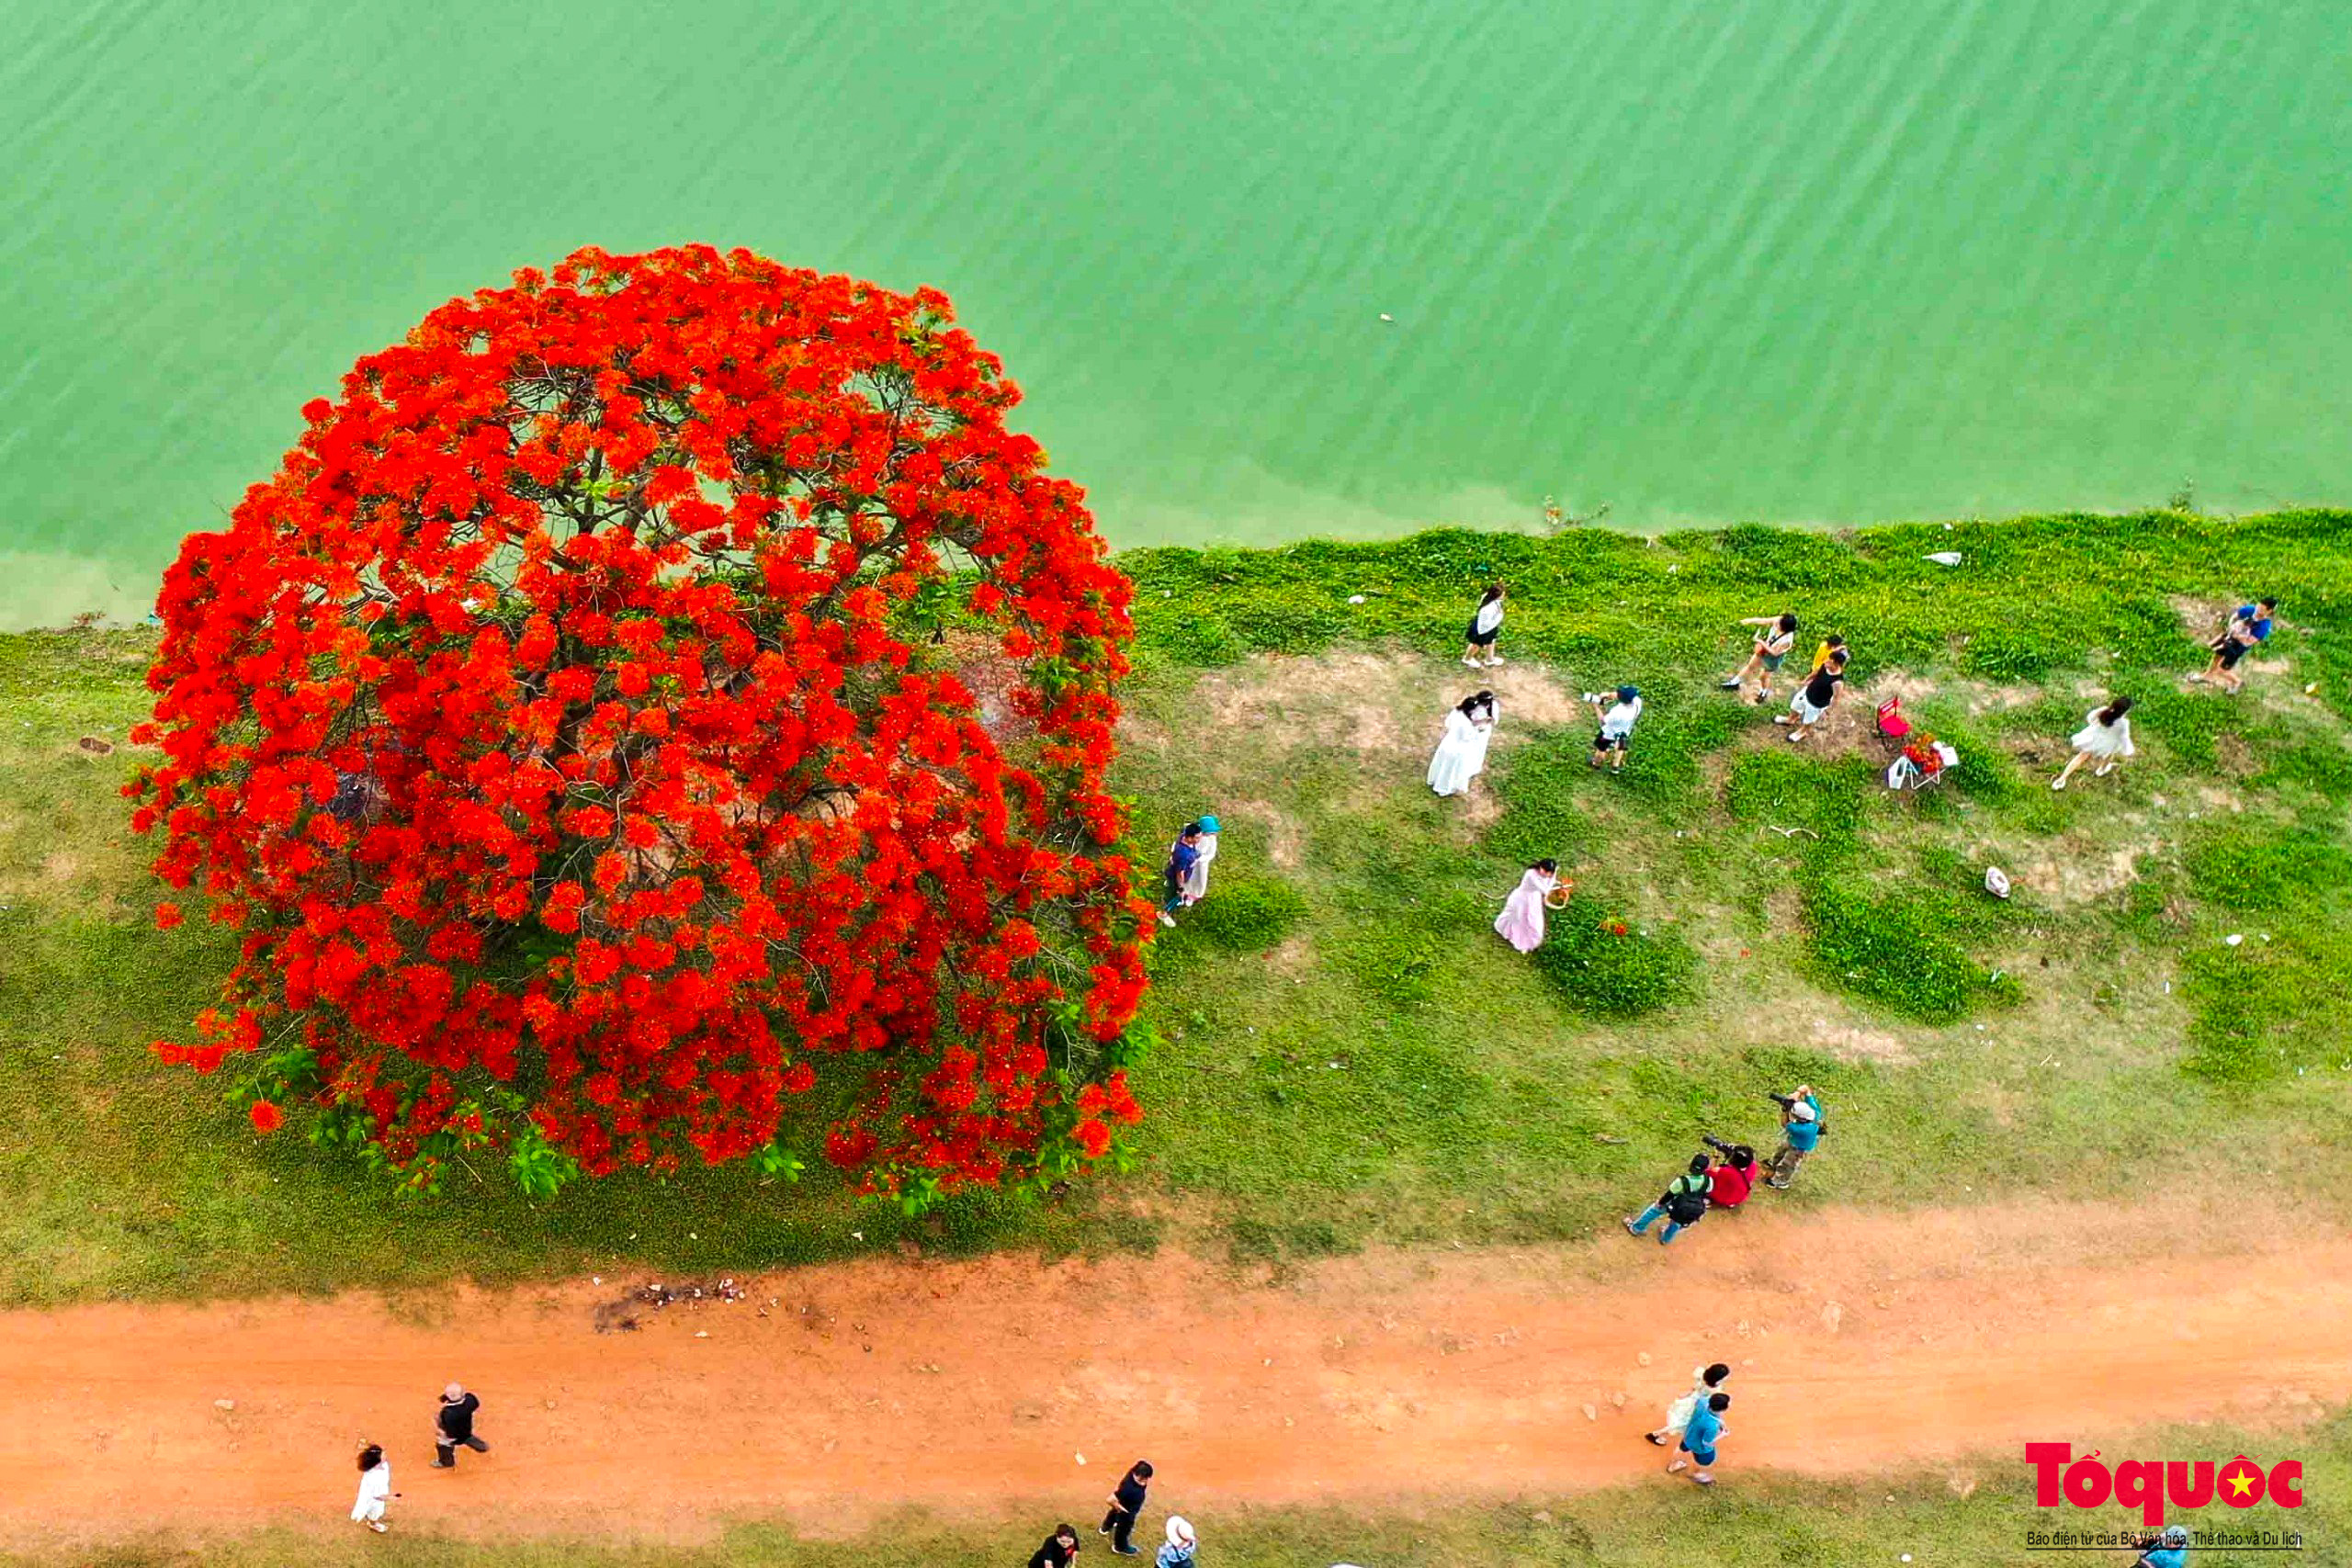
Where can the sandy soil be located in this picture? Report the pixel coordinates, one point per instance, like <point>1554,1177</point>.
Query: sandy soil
<point>834,1394</point>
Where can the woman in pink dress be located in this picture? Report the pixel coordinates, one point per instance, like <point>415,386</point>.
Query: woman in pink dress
<point>1522,921</point>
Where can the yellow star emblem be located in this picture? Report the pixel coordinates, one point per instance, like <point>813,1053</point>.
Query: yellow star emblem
<point>2241,1483</point>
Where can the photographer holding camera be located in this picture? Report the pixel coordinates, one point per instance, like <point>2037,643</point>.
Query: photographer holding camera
<point>1734,1176</point>
<point>1801,1130</point>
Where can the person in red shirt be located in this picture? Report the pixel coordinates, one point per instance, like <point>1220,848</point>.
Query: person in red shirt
<point>1733,1177</point>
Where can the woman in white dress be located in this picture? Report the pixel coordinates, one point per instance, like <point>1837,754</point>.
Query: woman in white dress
<point>1463,753</point>
<point>375,1488</point>
<point>1522,921</point>
<point>2105,739</point>
<point>1196,881</point>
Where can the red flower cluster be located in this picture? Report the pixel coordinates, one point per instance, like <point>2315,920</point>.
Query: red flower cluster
<point>570,725</point>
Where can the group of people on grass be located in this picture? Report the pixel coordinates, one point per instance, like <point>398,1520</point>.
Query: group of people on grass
<point>1725,1181</point>
<point>2102,744</point>
<point>1126,1502</point>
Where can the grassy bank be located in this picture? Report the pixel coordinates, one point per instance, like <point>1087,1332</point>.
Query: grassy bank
<point>1351,1054</point>
<point>1967,1512</point>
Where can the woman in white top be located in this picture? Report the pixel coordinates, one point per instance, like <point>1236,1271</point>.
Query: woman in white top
<point>1616,730</point>
<point>375,1488</point>
<point>1463,753</point>
<point>1196,881</point>
<point>2105,739</point>
<point>1776,637</point>
<point>1478,644</point>
<point>1704,1381</point>
<point>1522,921</point>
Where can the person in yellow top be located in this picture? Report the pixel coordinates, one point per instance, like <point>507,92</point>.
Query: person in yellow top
<point>1832,646</point>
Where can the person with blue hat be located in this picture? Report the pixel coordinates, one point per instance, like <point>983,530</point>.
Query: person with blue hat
<point>1196,881</point>
<point>2168,1550</point>
<point>1616,724</point>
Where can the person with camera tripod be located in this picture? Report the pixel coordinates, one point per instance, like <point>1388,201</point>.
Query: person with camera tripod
<point>1801,1130</point>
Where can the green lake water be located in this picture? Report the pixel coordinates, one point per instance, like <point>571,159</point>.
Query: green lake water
<point>1760,259</point>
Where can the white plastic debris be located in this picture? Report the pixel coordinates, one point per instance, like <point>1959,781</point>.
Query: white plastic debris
<point>1996,881</point>
<point>1355,598</point>
<point>2234,938</point>
<point>1944,557</point>
<point>1387,316</point>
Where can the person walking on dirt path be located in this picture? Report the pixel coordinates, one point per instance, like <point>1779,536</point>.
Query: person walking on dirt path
<point>2169,1550</point>
<point>453,1427</point>
<point>1681,1205</point>
<point>1059,1549</point>
<point>1180,1545</point>
<point>1617,722</point>
<point>1126,1505</point>
<point>1704,1381</point>
<point>1486,625</point>
<point>2105,739</point>
<point>1184,855</point>
<point>1699,1441</point>
<point>375,1489</point>
<point>1800,1129</point>
<point>1811,704</point>
<point>1776,637</point>
<point>2249,628</point>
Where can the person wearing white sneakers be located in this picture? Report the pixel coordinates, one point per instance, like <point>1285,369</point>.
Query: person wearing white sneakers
<point>1486,625</point>
<point>1699,1439</point>
<point>375,1489</point>
<point>2105,739</point>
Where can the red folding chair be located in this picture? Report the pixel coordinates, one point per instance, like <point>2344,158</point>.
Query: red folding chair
<point>1891,722</point>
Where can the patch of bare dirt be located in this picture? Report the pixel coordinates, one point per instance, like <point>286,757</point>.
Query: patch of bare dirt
<point>2078,878</point>
<point>2202,619</point>
<point>1285,838</point>
<point>1977,696</point>
<point>1374,704</point>
<point>1292,958</point>
<point>1855,1043</point>
<point>1006,1385</point>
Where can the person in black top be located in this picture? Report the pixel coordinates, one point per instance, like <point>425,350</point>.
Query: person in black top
<point>1119,1524</point>
<point>1812,702</point>
<point>454,1427</point>
<point>1060,1548</point>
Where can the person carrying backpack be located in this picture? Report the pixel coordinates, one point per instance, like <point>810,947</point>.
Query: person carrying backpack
<point>1681,1205</point>
<point>1801,1128</point>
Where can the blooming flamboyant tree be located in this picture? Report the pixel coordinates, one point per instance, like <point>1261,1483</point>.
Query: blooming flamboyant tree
<point>571,730</point>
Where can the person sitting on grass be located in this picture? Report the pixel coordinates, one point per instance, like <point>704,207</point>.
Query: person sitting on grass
<point>1617,721</point>
<point>1773,643</point>
<point>2105,739</point>
<point>1699,1439</point>
<point>2249,628</point>
<point>1059,1549</point>
<point>2169,1550</point>
<point>1681,1205</point>
<point>1811,704</point>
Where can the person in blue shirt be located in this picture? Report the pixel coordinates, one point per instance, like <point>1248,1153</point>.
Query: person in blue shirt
<point>1699,1441</point>
<point>1800,1135</point>
<point>1181,1545</point>
<point>2249,628</point>
<point>2168,1550</point>
<point>1182,856</point>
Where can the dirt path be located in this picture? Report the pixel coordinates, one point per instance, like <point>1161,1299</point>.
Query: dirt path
<point>1861,1342</point>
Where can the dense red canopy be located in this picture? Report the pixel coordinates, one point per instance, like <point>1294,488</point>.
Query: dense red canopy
<point>570,729</point>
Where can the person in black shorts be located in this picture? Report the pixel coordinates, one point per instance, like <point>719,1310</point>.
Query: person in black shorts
<point>1617,720</point>
<point>1059,1549</point>
<point>1126,1503</point>
<point>1486,625</point>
